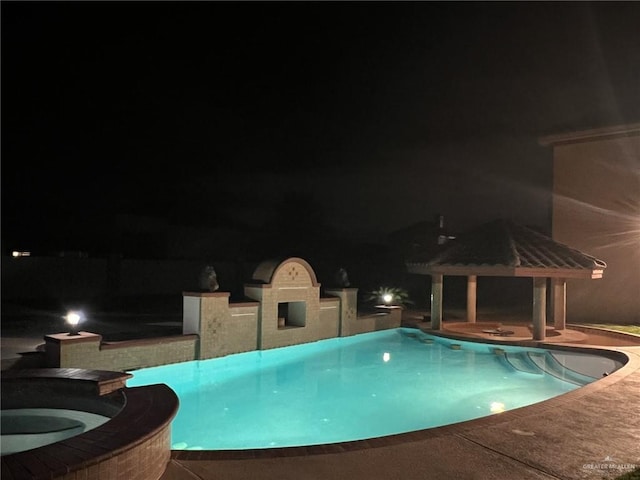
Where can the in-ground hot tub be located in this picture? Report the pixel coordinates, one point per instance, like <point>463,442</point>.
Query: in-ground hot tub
<point>84,422</point>
<point>28,428</point>
<point>44,406</point>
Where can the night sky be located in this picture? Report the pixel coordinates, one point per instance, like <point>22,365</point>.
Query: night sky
<point>379,114</point>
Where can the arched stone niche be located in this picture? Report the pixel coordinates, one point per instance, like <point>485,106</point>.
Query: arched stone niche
<point>289,296</point>
<point>290,271</point>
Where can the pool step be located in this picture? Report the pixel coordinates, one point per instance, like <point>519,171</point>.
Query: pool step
<point>520,361</point>
<point>538,363</point>
<point>548,363</point>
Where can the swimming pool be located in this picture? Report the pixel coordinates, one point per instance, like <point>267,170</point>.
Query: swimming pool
<point>364,386</point>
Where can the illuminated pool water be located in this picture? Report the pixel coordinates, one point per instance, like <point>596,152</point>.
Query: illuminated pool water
<point>358,387</point>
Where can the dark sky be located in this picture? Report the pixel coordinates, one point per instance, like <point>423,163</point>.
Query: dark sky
<point>385,113</point>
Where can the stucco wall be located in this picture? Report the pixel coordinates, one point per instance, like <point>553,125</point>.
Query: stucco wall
<point>596,209</point>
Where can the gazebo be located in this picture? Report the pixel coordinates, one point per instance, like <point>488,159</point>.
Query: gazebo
<point>504,249</point>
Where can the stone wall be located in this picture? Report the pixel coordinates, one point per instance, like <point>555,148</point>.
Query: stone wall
<point>86,350</point>
<point>385,318</point>
<point>223,328</point>
<point>290,306</point>
<point>287,310</point>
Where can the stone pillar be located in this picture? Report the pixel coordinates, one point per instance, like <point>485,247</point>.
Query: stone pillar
<point>348,308</point>
<point>472,287</point>
<point>63,350</point>
<point>206,314</point>
<point>539,307</point>
<point>559,302</point>
<point>436,301</point>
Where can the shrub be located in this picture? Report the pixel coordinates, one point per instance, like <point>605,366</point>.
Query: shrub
<point>389,296</point>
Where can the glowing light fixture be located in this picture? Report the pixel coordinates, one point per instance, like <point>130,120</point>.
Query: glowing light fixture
<point>73,319</point>
<point>18,254</point>
<point>386,356</point>
<point>389,296</point>
<point>497,407</point>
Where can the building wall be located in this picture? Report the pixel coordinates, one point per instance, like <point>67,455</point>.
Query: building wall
<point>596,209</point>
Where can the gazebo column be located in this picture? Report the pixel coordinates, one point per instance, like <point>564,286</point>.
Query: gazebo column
<point>539,307</point>
<point>436,301</point>
<point>559,303</point>
<point>472,287</point>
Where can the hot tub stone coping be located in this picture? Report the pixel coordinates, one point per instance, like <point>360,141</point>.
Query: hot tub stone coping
<point>106,381</point>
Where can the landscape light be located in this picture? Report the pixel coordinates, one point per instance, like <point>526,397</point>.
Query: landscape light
<point>73,319</point>
<point>387,298</point>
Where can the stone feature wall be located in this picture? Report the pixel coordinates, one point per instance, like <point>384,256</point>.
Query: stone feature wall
<point>288,310</point>
<point>223,328</point>
<point>290,307</point>
<point>348,310</point>
<point>86,350</point>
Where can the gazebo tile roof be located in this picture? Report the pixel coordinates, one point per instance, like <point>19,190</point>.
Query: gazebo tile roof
<point>503,243</point>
